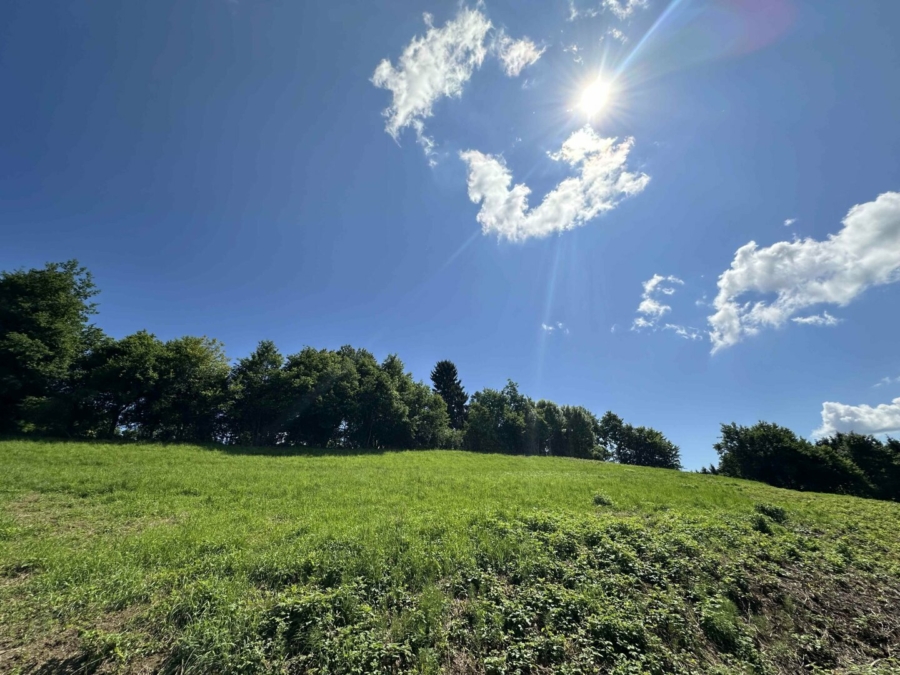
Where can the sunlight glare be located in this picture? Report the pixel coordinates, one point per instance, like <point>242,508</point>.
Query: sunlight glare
<point>595,97</point>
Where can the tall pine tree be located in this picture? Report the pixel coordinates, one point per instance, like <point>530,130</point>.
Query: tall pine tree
<point>446,383</point>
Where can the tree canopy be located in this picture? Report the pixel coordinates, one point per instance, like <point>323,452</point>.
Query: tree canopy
<point>845,463</point>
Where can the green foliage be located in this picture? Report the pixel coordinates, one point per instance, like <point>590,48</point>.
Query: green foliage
<point>878,461</point>
<point>640,446</point>
<point>776,513</point>
<point>446,383</point>
<point>601,499</point>
<point>151,558</point>
<point>43,330</point>
<point>846,464</point>
<point>502,421</point>
<point>259,397</point>
<point>190,393</point>
<point>114,383</point>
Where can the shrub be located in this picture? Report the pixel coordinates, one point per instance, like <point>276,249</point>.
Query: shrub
<point>601,499</point>
<point>776,513</point>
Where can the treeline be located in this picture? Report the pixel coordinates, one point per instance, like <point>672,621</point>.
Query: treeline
<point>61,376</point>
<point>852,464</point>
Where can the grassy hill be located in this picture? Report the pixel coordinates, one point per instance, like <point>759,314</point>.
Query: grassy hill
<point>118,558</point>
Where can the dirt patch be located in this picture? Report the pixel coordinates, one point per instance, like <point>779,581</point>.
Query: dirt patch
<point>59,653</point>
<point>836,622</point>
<point>86,651</point>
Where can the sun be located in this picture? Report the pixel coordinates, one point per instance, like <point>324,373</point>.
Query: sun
<point>595,97</point>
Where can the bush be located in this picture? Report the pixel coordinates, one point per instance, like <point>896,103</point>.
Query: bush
<point>776,513</point>
<point>601,499</point>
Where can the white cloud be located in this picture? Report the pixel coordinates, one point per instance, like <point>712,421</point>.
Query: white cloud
<point>574,49</point>
<point>823,319</point>
<point>651,310</point>
<point>516,55</point>
<point>616,34</point>
<point>887,380</point>
<point>624,8</point>
<point>789,222</point>
<point>601,184</point>
<point>685,332</point>
<point>863,419</point>
<point>431,67</point>
<point>806,272</point>
<point>558,326</point>
<point>650,307</point>
<point>574,12</point>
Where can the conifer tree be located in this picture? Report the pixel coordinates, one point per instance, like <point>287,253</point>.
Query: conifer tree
<point>446,383</point>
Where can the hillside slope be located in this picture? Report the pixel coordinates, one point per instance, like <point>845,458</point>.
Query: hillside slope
<point>117,558</point>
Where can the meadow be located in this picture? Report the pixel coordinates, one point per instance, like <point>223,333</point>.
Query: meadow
<point>176,558</point>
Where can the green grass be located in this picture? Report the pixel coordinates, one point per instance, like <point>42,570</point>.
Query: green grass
<point>145,558</point>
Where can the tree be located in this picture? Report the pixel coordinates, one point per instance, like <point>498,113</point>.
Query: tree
<point>502,421</point>
<point>568,431</point>
<point>113,382</point>
<point>551,429</point>
<point>582,434</point>
<point>43,329</point>
<point>188,399</point>
<point>322,387</point>
<point>776,455</point>
<point>640,446</point>
<point>446,383</point>
<point>258,397</point>
<point>878,461</point>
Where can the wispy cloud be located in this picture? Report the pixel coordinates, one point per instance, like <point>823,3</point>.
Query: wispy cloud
<point>516,55</point>
<point>823,319</point>
<point>807,272</point>
<point>652,308</point>
<point>616,34</point>
<point>432,67</point>
<point>575,13</point>
<point>555,327</point>
<point>685,332</point>
<point>789,222</point>
<point>573,49</point>
<point>602,182</point>
<point>624,8</point>
<point>863,419</point>
<point>886,381</point>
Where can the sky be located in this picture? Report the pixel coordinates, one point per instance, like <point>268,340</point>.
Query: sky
<point>684,211</point>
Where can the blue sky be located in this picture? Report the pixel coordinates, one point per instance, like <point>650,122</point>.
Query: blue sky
<point>421,178</point>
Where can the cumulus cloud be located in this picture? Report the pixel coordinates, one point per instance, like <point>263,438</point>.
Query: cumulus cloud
<point>805,272</point>
<point>558,326</point>
<point>602,182</point>
<point>431,67</point>
<point>863,419</point>
<point>823,319</point>
<point>516,55</point>
<point>624,8</point>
